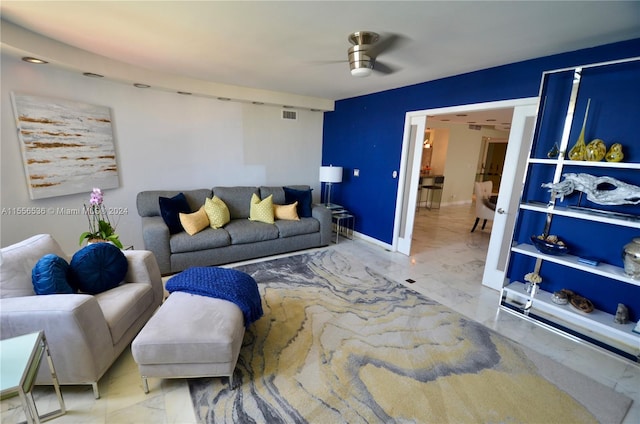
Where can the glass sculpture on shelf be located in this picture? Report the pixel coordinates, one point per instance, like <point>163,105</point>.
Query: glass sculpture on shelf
<point>615,153</point>
<point>621,194</point>
<point>595,150</point>
<point>554,152</point>
<point>579,150</point>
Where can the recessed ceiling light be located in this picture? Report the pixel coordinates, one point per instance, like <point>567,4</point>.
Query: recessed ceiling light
<point>186,93</point>
<point>92,75</point>
<point>461,114</point>
<point>224,99</point>
<point>139,85</point>
<point>34,60</point>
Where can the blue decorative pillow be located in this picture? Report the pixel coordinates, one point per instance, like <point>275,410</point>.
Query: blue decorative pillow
<point>49,276</point>
<point>97,267</point>
<point>303,197</point>
<point>170,209</point>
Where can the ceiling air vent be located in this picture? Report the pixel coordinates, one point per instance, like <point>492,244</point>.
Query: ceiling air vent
<point>290,115</point>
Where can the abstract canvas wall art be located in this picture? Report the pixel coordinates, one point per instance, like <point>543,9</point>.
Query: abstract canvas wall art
<point>67,146</point>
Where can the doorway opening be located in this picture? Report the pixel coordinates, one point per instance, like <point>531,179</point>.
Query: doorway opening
<point>519,138</point>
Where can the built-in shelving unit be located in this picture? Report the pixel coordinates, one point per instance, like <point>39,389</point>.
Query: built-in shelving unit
<point>615,223</point>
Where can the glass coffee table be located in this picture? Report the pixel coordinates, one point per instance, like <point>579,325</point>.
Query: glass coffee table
<point>20,359</point>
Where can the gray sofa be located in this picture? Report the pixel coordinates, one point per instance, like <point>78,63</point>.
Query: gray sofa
<point>240,239</point>
<point>85,333</point>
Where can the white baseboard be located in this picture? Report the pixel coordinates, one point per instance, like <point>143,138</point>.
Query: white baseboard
<point>373,241</point>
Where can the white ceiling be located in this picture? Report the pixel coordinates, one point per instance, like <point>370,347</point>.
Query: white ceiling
<point>291,46</point>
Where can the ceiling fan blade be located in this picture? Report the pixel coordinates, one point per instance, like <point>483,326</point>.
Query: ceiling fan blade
<point>387,42</point>
<point>326,62</point>
<point>383,68</point>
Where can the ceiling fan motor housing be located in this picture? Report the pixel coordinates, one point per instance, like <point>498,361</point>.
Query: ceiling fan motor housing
<point>360,62</point>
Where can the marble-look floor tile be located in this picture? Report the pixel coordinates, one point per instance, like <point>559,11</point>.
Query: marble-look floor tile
<point>446,263</point>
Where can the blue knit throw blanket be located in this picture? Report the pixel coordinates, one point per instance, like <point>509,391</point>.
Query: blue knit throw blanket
<point>222,283</point>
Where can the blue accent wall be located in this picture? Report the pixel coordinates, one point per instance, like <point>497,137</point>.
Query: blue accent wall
<point>366,132</point>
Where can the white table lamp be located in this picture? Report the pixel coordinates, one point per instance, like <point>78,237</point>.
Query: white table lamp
<point>329,175</point>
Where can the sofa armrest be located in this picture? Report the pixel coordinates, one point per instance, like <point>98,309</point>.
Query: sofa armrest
<point>76,330</point>
<point>155,234</point>
<point>322,214</point>
<point>143,268</point>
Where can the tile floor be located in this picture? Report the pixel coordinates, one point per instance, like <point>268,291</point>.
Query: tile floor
<point>446,263</point>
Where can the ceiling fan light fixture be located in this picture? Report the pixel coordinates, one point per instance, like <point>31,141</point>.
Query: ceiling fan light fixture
<point>361,72</point>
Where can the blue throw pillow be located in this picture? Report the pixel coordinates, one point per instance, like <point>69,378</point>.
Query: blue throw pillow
<point>303,197</point>
<point>49,276</point>
<point>170,209</point>
<point>97,267</point>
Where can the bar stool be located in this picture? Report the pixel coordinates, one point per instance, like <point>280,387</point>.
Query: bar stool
<point>434,190</point>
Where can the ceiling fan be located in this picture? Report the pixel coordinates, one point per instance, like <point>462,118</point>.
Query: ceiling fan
<point>365,50</point>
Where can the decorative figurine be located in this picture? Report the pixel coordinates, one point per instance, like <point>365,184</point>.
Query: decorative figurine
<point>554,152</point>
<point>579,150</point>
<point>615,153</point>
<point>631,258</point>
<point>622,194</point>
<point>622,314</point>
<point>595,150</point>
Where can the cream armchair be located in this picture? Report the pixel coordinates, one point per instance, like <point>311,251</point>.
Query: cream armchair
<point>85,333</point>
<point>485,209</point>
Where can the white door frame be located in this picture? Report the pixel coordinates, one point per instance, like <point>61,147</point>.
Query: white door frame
<point>404,218</point>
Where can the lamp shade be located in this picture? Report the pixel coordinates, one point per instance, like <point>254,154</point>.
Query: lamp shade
<point>330,174</point>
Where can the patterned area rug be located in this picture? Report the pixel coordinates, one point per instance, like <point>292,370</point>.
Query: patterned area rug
<point>352,346</point>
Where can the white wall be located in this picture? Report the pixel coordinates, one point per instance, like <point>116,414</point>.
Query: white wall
<point>163,141</point>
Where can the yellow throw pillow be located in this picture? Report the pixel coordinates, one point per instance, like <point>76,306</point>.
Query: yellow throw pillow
<point>217,211</point>
<point>261,211</point>
<point>288,212</point>
<point>194,222</point>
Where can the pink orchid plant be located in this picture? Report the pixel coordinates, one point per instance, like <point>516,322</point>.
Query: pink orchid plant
<point>100,227</point>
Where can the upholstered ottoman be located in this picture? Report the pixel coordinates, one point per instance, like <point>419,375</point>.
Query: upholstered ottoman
<point>190,336</point>
<point>198,331</point>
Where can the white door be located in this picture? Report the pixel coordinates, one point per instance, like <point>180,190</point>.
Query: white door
<point>520,138</point>
<point>409,181</point>
<point>414,126</point>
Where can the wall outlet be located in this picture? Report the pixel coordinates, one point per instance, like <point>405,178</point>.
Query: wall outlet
<point>356,172</point>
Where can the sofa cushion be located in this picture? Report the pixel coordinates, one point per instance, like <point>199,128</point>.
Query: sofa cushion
<point>276,192</point>
<point>244,231</point>
<point>261,210</point>
<point>287,212</point>
<point>194,222</point>
<point>237,199</point>
<point>123,305</point>
<point>97,267</point>
<point>17,262</point>
<point>170,209</point>
<point>148,205</point>
<point>303,197</point>
<point>296,228</point>
<point>205,239</point>
<point>49,275</point>
<point>217,212</point>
